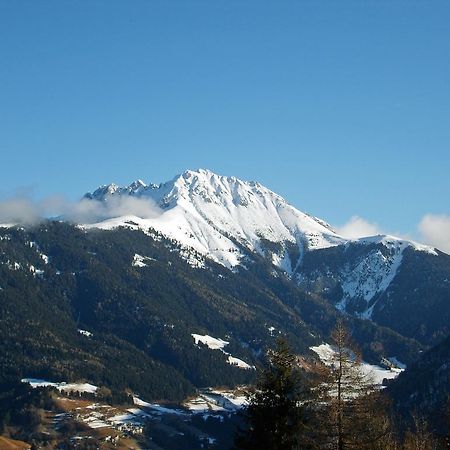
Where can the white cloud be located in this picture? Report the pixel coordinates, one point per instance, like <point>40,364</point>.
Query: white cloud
<point>90,211</point>
<point>24,210</point>
<point>357,227</point>
<point>19,210</point>
<point>435,230</point>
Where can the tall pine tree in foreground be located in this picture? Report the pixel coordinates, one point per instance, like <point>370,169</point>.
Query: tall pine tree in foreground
<point>275,418</point>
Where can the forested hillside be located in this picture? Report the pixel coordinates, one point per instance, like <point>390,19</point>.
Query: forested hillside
<point>141,310</point>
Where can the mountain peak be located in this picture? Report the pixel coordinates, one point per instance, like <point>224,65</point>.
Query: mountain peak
<point>216,215</point>
<point>102,192</point>
<point>206,175</point>
<point>138,184</point>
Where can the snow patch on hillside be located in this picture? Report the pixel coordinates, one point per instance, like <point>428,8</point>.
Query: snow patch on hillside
<point>35,271</point>
<point>239,363</point>
<point>13,265</point>
<point>375,373</point>
<point>209,341</point>
<point>141,261</point>
<point>283,262</point>
<point>219,344</point>
<point>85,333</point>
<point>374,273</point>
<point>133,416</point>
<point>43,256</point>
<point>210,401</point>
<point>62,386</point>
<point>393,242</point>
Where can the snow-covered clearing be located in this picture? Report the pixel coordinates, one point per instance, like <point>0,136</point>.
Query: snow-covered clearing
<point>239,363</point>
<point>375,373</point>
<point>62,386</point>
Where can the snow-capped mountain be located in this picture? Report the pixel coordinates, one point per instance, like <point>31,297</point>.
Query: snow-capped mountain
<point>227,220</point>
<point>216,215</point>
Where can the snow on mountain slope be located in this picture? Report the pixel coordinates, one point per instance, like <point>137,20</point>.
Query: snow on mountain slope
<point>374,273</point>
<point>361,270</point>
<point>391,242</point>
<point>371,275</point>
<point>215,215</point>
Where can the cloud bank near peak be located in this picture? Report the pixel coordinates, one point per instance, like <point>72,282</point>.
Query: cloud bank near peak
<point>357,227</point>
<point>91,211</point>
<point>24,210</point>
<point>435,231</point>
<point>19,210</point>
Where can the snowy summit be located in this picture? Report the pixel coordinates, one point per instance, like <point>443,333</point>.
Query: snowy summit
<point>214,214</point>
<point>218,215</point>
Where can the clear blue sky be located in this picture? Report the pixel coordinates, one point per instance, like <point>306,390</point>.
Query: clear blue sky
<point>343,107</point>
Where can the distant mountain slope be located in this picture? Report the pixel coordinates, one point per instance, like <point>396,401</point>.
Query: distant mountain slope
<point>387,281</point>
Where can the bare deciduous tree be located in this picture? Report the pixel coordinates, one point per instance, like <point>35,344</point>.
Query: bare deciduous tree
<point>352,412</point>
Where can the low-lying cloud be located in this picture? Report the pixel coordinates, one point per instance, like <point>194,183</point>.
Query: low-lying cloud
<point>91,211</point>
<point>24,210</point>
<point>357,227</point>
<point>19,210</point>
<point>435,231</point>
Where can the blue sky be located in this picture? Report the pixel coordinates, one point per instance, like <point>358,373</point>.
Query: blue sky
<point>341,107</point>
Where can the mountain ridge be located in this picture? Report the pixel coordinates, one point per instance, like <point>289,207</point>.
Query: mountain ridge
<point>215,214</point>
<point>218,200</point>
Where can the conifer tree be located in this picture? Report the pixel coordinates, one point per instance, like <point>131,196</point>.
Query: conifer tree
<point>275,417</point>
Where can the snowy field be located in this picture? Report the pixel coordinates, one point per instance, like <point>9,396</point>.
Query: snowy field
<point>376,373</point>
<point>62,386</point>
